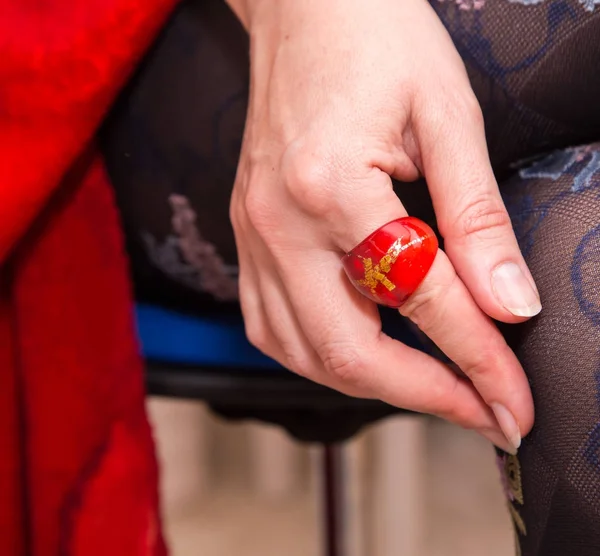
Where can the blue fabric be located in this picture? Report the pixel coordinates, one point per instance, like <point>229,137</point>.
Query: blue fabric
<point>173,337</point>
<point>169,336</point>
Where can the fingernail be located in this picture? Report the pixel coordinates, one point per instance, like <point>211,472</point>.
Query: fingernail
<point>499,440</point>
<point>514,291</point>
<point>508,424</point>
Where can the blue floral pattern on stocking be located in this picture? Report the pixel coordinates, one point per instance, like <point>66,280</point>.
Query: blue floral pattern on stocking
<point>584,276</point>
<point>581,162</point>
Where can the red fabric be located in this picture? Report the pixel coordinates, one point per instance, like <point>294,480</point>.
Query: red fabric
<point>77,469</point>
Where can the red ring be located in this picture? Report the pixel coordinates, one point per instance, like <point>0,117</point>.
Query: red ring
<point>390,264</point>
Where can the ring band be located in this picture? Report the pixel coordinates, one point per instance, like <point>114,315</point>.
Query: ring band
<point>390,264</point>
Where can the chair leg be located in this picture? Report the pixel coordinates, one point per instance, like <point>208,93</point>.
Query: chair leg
<point>342,498</point>
<point>332,500</point>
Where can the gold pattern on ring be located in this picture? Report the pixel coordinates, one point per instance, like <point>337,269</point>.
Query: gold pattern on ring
<point>377,274</point>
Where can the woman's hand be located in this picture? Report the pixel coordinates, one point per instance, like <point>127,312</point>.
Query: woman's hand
<point>345,94</point>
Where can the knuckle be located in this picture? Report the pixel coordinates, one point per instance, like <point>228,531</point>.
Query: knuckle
<point>471,109</point>
<point>345,364</point>
<point>458,104</point>
<point>259,211</point>
<point>442,400</point>
<point>308,180</point>
<point>444,403</point>
<point>259,337</point>
<point>485,362</point>
<point>465,106</point>
<point>298,363</point>
<point>479,368</point>
<point>483,216</point>
<point>235,216</point>
<point>419,304</point>
<point>423,307</point>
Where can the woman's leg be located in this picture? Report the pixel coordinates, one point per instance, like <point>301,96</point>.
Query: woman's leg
<point>554,483</point>
<point>533,66</point>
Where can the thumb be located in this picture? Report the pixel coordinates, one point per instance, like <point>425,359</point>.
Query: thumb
<point>471,216</point>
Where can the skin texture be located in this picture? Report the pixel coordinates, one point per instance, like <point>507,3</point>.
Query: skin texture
<point>345,94</point>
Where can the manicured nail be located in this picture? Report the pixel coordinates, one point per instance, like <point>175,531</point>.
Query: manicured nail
<point>508,424</point>
<point>514,291</point>
<point>498,439</point>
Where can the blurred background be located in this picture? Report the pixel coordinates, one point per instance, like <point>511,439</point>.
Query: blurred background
<point>413,486</point>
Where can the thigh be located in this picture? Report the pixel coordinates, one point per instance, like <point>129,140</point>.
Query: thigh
<point>555,481</point>
<point>533,66</point>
